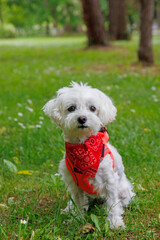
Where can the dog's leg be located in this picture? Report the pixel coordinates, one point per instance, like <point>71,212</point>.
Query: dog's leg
<point>125,190</point>
<point>79,198</point>
<point>115,212</point>
<point>114,206</point>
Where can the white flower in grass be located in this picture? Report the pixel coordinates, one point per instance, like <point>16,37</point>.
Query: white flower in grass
<point>21,125</point>
<point>9,118</point>
<point>133,110</point>
<point>23,221</point>
<point>87,74</point>
<point>20,114</point>
<point>153,88</point>
<point>19,104</point>
<point>154,98</point>
<point>38,126</point>
<point>15,119</point>
<point>108,88</point>
<point>57,174</point>
<point>29,109</point>
<point>40,122</point>
<point>41,118</point>
<point>29,101</point>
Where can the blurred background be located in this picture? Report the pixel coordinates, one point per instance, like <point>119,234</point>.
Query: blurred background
<point>102,20</point>
<point>19,18</point>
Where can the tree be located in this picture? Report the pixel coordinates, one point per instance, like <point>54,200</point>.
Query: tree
<point>145,52</point>
<point>94,22</point>
<point>117,20</point>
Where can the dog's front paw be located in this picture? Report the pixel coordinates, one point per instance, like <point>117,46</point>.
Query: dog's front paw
<point>116,223</point>
<point>65,211</point>
<point>69,208</point>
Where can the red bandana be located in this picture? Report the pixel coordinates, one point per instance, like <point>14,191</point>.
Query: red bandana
<point>83,160</point>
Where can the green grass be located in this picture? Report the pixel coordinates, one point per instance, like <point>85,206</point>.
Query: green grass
<point>31,71</point>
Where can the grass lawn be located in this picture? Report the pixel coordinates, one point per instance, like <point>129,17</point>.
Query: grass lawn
<point>31,71</point>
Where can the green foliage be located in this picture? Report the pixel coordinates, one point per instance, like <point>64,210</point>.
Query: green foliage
<point>105,10</point>
<point>7,32</point>
<point>133,14</point>
<point>32,70</point>
<point>27,14</point>
<point>95,221</point>
<point>65,12</point>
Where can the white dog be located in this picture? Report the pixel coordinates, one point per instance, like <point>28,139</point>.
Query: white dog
<point>91,168</point>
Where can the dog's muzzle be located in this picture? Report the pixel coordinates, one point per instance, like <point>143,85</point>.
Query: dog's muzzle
<point>82,120</point>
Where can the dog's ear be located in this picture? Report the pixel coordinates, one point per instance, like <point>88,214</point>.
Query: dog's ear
<point>53,107</point>
<point>52,110</point>
<point>107,111</point>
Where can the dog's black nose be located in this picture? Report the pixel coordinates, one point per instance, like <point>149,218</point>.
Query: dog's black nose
<point>82,119</point>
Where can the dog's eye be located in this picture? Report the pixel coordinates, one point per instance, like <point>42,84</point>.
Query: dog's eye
<point>92,108</point>
<point>71,109</point>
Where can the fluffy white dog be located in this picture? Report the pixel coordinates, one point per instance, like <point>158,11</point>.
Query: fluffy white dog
<point>91,168</point>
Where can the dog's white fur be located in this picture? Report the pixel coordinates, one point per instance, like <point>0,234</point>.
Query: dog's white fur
<point>111,185</point>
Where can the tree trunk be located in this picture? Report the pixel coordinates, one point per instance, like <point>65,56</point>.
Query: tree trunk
<point>117,20</point>
<point>145,53</point>
<point>94,22</point>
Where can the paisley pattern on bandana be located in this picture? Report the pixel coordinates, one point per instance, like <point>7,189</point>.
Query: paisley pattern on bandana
<point>83,160</point>
<point>85,156</point>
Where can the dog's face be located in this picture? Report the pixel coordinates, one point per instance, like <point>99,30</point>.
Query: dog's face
<point>80,111</point>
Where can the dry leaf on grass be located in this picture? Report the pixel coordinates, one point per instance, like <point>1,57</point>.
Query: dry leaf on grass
<point>87,228</point>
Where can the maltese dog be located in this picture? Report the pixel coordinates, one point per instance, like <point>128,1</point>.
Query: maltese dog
<point>91,168</point>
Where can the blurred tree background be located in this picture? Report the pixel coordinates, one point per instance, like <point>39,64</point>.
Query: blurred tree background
<point>102,20</point>
<point>51,17</point>
<point>39,18</point>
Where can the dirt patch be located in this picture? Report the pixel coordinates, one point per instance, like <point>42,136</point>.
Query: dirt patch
<point>142,68</point>
<point>98,68</point>
<point>133,67</point>
<point>108,48</point>
<point>103,48</point>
